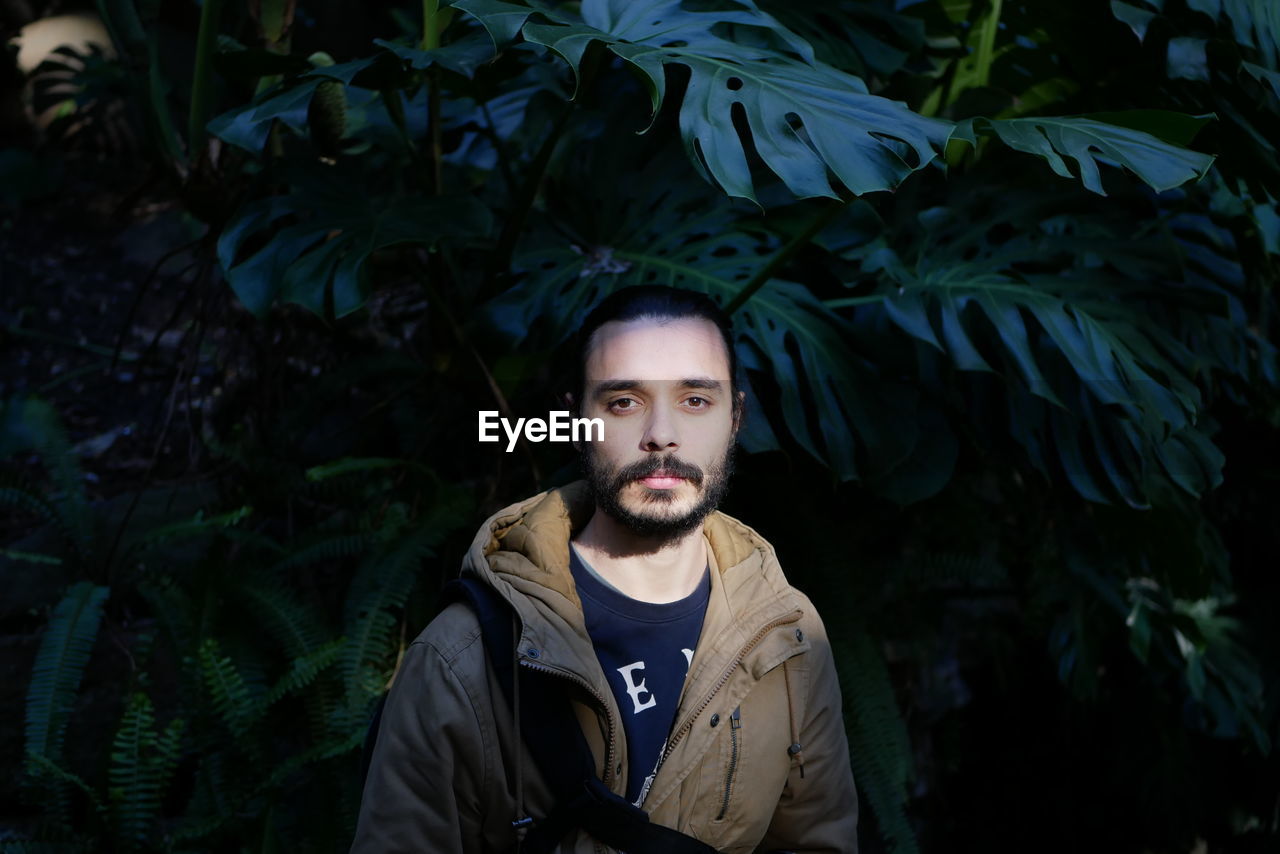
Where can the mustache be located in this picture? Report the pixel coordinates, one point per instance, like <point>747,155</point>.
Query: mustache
<point>670,466</point>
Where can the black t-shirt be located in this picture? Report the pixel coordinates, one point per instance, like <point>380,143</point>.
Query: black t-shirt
<point>645,650</point>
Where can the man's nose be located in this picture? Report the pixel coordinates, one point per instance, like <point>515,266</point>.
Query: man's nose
<point>660,432</point>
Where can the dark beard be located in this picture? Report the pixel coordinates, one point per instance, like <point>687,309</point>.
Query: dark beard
<point>606,488</point>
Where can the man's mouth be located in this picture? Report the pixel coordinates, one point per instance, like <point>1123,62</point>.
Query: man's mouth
<point>660,480</point>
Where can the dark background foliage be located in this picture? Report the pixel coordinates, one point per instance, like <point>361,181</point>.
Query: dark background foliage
<point>1002,277</point>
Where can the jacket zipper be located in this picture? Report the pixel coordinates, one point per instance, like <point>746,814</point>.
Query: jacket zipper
<point>735,724</point>
<point>686,727</point>
<point>578,680</point>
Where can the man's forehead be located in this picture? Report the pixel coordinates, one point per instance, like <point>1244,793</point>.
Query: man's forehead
<point>666,350</point>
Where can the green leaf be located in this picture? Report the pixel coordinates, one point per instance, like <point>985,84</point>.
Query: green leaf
<point>142,763</point>
<point>30,557</point>
<point>502,20</point>
<point>235,61</point>
<point>463,56</point>
<point>1174,128</point>
<point>60,662</point>
<point>859,38</point>
<point>305,670</point>
<point>228,693</point>
<point>879,744</point>
<point>1136,18</point>
<point>349,465</point>
<point>248,127</point>
<point>320,262</point>
<point>377,592</point>
<point>806,119</point>
<point>1089,143</point>
<point>1264,75</point>
<point>1061,311</point>
<point>1139,631</point>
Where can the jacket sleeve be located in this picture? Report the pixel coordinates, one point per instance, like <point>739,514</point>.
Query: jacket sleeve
<point>428,764</point>
<point>818,812</point>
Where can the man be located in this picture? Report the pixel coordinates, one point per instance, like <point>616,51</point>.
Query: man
<point>703,682</point>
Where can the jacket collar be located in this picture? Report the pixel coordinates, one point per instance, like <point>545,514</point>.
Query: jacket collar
<point>523,552</point>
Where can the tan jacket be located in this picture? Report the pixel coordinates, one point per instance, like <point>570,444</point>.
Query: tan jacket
<point>449,772</point>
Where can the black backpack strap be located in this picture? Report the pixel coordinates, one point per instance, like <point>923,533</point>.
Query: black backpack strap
<point>559,747</point>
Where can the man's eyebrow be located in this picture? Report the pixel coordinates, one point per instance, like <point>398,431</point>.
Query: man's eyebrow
<point>610,386</point>
<point>703,383</point>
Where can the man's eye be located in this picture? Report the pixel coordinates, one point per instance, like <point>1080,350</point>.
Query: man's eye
<point>622,404</point>
<point>698,402</point>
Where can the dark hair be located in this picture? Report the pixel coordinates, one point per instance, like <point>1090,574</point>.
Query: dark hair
<point>660,303</point>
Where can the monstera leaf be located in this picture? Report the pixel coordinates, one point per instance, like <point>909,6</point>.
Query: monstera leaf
<point>1081,318</point>
<point>1090,142</point>
<point>319,262</point>
<point>806,119</point>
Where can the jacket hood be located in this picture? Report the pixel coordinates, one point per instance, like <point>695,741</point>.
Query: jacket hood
<point>524,549</point>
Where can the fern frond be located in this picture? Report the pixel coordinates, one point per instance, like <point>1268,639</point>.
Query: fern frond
<point>228,693</point>
<point>337,746</point>
<point>380,587</point>
<point>945,570</point>
<point>194,527</point>
<point>305,670</point>
<point>42,767</point>
<point>879,747</point>
<point>28,846</point>
<point>294,625</point>
<point>23,497</point>
<point>30,557</point>
<point>331,547</point>
<point>172,607</point>
<point>301,630</point>
<point>60,662</point>
<point>142,764</point>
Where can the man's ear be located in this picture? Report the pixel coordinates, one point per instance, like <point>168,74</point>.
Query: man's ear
<point>739,411</point>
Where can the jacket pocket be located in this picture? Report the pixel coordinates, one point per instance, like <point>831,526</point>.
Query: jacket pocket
<point>735,754</point>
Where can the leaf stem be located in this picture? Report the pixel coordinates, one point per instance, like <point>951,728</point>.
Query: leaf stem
<point>430,24</point>
<point>848,302</point>
<point>433,124</point>
<point>987,43</point>
<point>464,341</point>
<point>431,27</point>
<point>202,77</point>
<point>765,273</point>
<point>500,260</point>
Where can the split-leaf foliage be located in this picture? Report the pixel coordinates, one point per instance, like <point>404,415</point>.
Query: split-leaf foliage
<point>997,302</point>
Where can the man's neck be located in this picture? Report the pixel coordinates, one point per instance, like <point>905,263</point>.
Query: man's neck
<point>643,568</point>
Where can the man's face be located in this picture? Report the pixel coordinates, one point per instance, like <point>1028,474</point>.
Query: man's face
<point>662,388</point>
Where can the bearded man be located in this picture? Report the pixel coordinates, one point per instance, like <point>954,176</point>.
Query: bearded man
<point>702,682</point>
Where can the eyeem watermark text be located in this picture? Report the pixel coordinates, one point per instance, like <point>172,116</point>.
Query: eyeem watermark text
<point>559,427</point>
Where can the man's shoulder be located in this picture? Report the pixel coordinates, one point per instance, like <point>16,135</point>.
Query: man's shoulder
<point>453,633</point>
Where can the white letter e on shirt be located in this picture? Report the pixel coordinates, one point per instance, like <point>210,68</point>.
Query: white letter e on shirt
<point>636,690</point>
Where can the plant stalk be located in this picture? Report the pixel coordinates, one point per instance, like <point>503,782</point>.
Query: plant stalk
<point>501,258</point>
<point>765,273</point>
<point>432,24</point>
<point>202,77</point>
